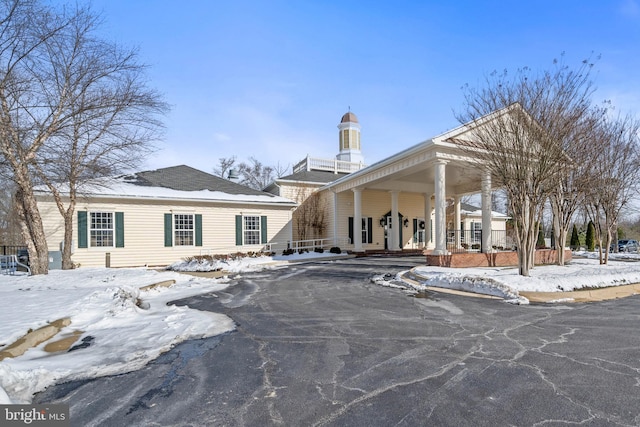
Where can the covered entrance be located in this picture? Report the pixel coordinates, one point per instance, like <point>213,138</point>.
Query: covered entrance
<point>389,225</point>
<point>418,182</point>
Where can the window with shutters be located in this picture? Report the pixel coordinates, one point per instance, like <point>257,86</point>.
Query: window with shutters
<point>251,230</point>
<point>101,229</point>
<point>367,229</point>
<point>183,229</point>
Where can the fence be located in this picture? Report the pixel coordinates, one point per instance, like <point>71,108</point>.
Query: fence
<point>331,165</point>
<point>459,241</point>
<point>278,247</point>
<point>311,244</point>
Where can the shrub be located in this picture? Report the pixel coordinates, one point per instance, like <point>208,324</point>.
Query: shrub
<point>318,250</point>
<point>540,243</point>
<point>287,252</point>
<point>591,237</point>
<point>574,243</point>
<point>335,250</point>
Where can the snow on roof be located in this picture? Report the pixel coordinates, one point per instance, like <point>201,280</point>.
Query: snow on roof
<point>177,183</point>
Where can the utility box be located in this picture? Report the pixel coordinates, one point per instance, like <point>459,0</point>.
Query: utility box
<point>55,260</point>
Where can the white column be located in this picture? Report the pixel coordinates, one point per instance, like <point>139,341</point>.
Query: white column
<point>456,221</point>
<point>357,220</point>
<point>427,220</point>
<point>395,223</point>
<point>335,219</point>
<point>441,209</point>
<point>486,212</point>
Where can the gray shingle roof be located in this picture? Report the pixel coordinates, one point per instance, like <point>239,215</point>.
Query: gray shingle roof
<point>186,178</point>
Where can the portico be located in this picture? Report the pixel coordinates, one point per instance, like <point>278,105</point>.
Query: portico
<point>412,185</point>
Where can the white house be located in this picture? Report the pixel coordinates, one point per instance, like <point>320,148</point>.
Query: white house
<point>157,217</point>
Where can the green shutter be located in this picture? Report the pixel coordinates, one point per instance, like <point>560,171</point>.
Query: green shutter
<point>198,230</point>
<point>415,230</point>
<point>82,229</point>
<point>168,230</point>
<point>119,229</point>
<point>238,230</point>
<point>263,229</point>
<point>370,229</point>
<point>351,230</point>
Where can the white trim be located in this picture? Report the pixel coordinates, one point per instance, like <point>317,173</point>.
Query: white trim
<point>113,229</point>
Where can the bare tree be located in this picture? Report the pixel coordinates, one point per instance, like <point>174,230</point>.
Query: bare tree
<point>309,216</point>
<point>224,166</point>
<point>281,170</point>
<point>520,125</point>
<point>112,123</point>
<point>255,175</point>
<point>574,176</point>
<point>252,174</point>
<point>9,225</point>
<point>73,108</point>
<point>616,170</point>
<point>28,118</point>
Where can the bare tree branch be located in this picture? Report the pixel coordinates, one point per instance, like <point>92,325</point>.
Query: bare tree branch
<point>522,127</point>
<point>73,107</point>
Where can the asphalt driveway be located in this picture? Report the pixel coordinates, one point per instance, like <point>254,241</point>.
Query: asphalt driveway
<point>320,344</point>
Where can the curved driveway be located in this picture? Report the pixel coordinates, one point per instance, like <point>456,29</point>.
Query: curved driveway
<point>319,344</point>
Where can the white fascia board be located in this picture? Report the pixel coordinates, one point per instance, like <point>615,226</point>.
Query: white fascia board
<point>293,181</point>
<point>283,202</point>
<point>422,146</point>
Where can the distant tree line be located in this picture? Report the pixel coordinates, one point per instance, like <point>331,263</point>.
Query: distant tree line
<point>251,173</point>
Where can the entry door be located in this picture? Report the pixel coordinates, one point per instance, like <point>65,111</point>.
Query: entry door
<point>421,234</point>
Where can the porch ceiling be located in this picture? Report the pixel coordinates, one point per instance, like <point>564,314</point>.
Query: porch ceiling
<point>460,179</point>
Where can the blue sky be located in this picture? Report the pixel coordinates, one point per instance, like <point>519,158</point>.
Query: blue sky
<point>271,79</point>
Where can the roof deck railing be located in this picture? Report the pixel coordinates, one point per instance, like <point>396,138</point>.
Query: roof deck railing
<point>331,165</point>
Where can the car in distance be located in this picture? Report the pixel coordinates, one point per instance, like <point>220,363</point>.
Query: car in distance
<point>627,245</point>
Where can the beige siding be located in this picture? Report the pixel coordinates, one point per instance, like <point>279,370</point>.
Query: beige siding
<point>297,193</point>
<point>144,230</point>
<point>375,204</point>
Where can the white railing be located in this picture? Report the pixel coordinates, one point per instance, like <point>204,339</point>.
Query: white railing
<point>278,247</point>
<point>331,165</point>
<point>311,244</point>
<point>9,264</point>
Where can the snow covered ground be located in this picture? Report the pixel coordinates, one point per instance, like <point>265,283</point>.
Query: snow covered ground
<point>584,272</point>
<point>123,336</point>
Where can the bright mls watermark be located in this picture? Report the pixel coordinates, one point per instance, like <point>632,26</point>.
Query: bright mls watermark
<point>34,415</point>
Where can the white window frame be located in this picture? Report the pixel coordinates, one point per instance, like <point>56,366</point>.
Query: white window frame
<point>251,229</point>
<point>181,232</point>
<point>476,232</point>
<point>97,234</point>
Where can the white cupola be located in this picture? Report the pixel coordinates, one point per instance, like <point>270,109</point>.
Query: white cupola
<point>349,129</point>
